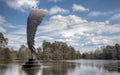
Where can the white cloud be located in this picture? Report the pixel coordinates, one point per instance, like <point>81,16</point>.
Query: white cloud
<point>95,42</point>
<point>115,17</point>
<point>59,22</point>
<point>97,13</point>
<point>102,40</point>
<point>76,7</point>
<point>72,29</point>
<point>21,4</point>
<point>2,29</point>
<point>2,19</point>
<point>3,24</point>
<point>15,41</point>
<point>21,30</point>
<point>44,38</point>
<point>77,24</point>
<point>55,1</point>
<point>101,27</point>
<point>56,10</point>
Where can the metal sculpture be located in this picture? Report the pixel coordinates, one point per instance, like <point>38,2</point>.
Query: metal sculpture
<point>34,19</point>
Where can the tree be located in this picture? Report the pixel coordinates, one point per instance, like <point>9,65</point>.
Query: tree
<point>78,55</point>
<point>84,55</point>
<point>47,54</point>
<point>107,52</point>
<point>3,40</point>
<point>39,50</point>
<point>24,53</point>
<point>58,51</point>
<point>117,51</point>
<point>72,52</point>
<point>46,44</point>
<point>4,52</point>
<point>57,55</point>
<point>7,55</point>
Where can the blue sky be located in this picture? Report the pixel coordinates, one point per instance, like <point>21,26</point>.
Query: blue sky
<point>84,24</point>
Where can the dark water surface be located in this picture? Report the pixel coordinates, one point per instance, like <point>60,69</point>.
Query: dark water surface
<point>69,67</point>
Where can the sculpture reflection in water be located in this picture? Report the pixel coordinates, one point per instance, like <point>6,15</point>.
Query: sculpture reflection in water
<point>52,68</point>
<point>32,71</point>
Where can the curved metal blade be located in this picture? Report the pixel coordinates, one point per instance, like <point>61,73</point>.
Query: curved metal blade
<point>34,19</point>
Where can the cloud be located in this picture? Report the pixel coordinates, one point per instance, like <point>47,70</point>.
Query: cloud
<point>102,27</point>
<point>79,32</point>
<point>80,8</point>
<point>99,13</point>
<point>21,4</point>
<point>71,29</point>
<point>2,30</point>
<point>15,41</point>
<point>74,24</point>
<point>2,19</point>
<point>82,25</point>
<point>115,16</point>
<point>102,40</point>
<point>20,30</point>
<point>62,23</point>
<point>13,33</point>
<point>95,42</point>
<point>54,1</point>
<point>4,24</point>
<point>17,37</point>
<point>41,38</point>
<point>56,10</point>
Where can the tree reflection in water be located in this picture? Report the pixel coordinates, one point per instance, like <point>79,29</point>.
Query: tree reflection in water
<point>55,68</point>
<point>59,68</point>
<point>72,67</point>
<point>63,68</point>
<point>3,69</point>
<point>112,67</point>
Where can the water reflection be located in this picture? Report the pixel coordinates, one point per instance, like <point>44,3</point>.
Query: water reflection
<point>61,68</point>
<point>2,69</point>
<point>111,67</point>
<point>31,71</point>
<point>71,67</point>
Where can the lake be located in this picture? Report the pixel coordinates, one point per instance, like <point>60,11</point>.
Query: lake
<point>69,67</point>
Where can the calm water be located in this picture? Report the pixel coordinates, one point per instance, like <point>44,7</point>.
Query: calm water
<point>74,67</point>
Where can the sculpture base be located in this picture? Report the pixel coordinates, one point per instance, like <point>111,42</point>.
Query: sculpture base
<point>31,63</point>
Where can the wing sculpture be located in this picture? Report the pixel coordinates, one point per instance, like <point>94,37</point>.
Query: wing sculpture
<point>34,19</point>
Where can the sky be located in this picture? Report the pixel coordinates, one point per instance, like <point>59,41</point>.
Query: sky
<point>84,24</point>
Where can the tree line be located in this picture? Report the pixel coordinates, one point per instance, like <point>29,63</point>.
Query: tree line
<point>59,51</point>
<point>56,51</point>
<point>49,51</point>
<point>4,51</point>
<point>107,52</point>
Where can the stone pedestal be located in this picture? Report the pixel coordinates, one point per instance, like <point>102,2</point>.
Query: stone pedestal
<point>31,63</point>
